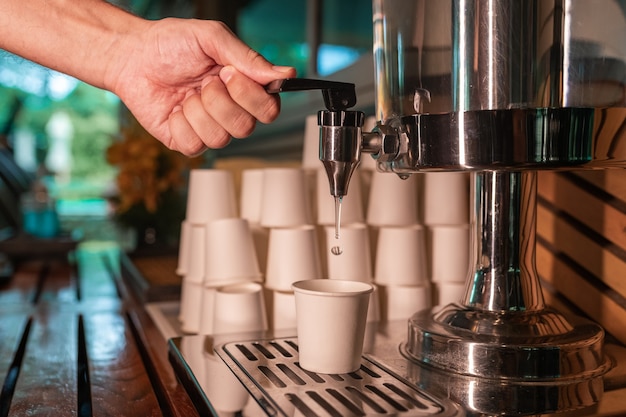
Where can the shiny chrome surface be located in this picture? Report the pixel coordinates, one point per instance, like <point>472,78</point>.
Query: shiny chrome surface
<point>255,358</point>
<point>502,328</point>
<point>340,147</point>
<point>474,55</point>
<point>501,88</point>
<point>502,276</point>
<point>511,140</point>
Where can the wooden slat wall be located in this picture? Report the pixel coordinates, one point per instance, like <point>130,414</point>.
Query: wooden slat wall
<point>581,242</point>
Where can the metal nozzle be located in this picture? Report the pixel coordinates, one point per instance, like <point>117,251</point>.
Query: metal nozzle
<point>340,147</point>
<point>340,129</point>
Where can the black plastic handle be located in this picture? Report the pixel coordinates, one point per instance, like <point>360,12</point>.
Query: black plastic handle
<point>338,96</point>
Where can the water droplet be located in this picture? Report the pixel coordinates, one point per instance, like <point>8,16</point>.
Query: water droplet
<point>336,250</point>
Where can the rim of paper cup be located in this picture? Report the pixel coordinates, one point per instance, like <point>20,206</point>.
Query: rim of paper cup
<point>332,287</point>
<point>221,282</point>
<point>240,288</point>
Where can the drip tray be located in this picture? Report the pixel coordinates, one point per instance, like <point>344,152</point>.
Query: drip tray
<point>270,372</point>
<point>270,369</point>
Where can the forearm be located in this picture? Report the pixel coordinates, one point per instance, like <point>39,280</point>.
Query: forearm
<point>86,39</point>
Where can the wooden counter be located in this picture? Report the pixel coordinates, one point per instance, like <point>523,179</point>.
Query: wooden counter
<point>76,341</point>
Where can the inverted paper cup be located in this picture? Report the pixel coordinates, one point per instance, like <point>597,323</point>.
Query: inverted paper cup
<point>211,196</point>
<point>284,314</point>
<point>401,256</point>
<point>311,144</point>
<point>251,195</point>
<point>402,302</point>
<point>446,198</point>
<point>285,201</point>
<point>450,252</point>
<point>331,316</point>
<point>196,254</point>
<point>292,255</point>
<point>190,306</point>
<point>183,248</point>
<point>392,201</point>
<point>231,254</point>
<point>240,308</point>
<point>207,310</point>
<point>450,292</point>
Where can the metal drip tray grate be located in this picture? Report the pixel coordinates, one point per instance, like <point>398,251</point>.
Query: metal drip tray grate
<point>271,372</point>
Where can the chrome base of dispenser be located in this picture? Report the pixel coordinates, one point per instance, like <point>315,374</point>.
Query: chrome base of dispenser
<point>539,354</point>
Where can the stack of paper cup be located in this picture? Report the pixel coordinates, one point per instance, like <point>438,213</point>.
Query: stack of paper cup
<point>285,201</point>
<point>446,213</point>
<point>393,201</point>
<point>230,259</point>
<point>293,255</point>
<point>401,271</point>
<point>251,196</point>
<point>211,196</point>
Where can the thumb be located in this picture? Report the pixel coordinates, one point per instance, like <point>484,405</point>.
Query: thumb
<point>230,50</point>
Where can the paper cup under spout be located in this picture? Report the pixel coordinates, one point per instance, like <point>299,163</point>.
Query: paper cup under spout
<point>331,317</point>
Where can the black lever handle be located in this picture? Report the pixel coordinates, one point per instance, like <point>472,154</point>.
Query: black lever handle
<point>338,96</point>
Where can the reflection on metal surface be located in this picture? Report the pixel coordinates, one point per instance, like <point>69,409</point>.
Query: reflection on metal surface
<point>266,365</point>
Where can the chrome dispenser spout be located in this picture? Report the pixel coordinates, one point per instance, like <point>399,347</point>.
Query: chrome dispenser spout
<point>340,129</point>
<point>340,147</point>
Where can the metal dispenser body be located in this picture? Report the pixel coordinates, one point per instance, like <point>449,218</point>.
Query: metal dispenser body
<point>501,88</point>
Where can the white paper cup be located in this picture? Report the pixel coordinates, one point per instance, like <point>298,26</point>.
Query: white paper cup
<point>331,316</point>
<point>352,210</point>
<point>450,253</point>
<point>207,310</point>
<point>183,248</point>
<point>292,255</point>
<point>311,144</point>
<point>211,196</point>
<point>231,254</point>
<point>393,201</point>
<point>260,236</point>
<point>251,195</point>
<point>196,254</point>
<point>190,306</point>
<point>240,308</point>
<point>284,314</point>
<point>374,308</point>
<point>354,263</point>
<point>401,256</point>
<point>446,198</point>
<point>449,292</point>
<point>402,302</point>
<point>285,201</point>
